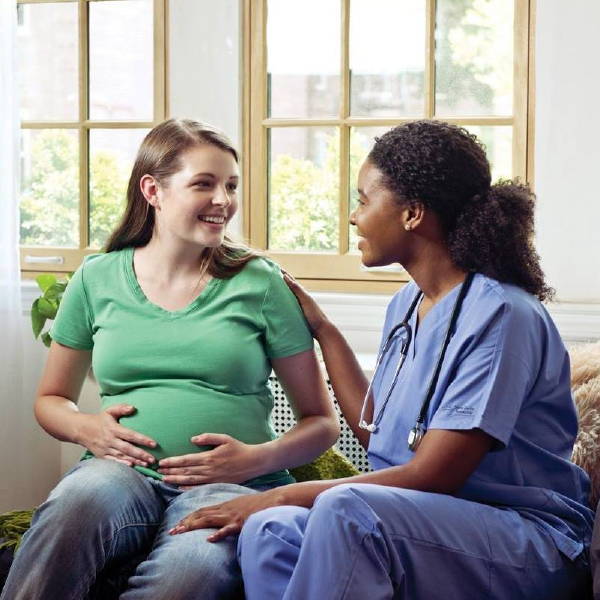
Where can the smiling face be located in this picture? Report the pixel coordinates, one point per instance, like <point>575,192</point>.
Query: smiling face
<point>195,204</point>
<point>379,220</point>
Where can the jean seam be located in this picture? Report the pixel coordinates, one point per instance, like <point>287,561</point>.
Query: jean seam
<point>113,538</point>
<point>85,587</point>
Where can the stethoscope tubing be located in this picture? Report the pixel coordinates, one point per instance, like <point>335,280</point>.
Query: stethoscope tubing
<point>418,431</point>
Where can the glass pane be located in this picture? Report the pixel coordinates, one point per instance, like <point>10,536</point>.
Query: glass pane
<point>121,60</point>
<point>304,188</point>
<point>498,147</point>
<point>47,54</point>
<point>474,57</point>
<point>303,64</point>
<point>112,153</point>
<point>49,187</point>
<point>361,142</point>
<point>387,58</point>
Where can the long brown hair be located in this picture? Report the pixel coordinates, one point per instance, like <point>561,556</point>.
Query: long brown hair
<point>160,156</point>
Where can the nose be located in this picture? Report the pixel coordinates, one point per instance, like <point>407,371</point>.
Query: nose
<point>221,196</point>
<point>352,218</point>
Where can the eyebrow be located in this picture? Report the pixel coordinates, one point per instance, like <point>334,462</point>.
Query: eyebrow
<point>207,174</point>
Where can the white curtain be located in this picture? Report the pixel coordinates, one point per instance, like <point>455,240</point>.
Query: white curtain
<point>12,417</point>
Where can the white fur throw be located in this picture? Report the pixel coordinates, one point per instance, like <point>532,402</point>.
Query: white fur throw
<point>585,383</point>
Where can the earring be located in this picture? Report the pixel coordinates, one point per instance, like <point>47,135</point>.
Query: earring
<point>407,227</point>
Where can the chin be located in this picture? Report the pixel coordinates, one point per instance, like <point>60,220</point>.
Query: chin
<point>369,261</point>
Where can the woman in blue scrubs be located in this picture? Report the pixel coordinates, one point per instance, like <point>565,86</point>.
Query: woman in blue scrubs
<point>469,422</point>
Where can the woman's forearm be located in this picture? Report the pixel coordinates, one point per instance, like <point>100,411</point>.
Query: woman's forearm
<point>346,376</point>
<point>309,438</point>
<point>442,464</point>
<point>60,417</point>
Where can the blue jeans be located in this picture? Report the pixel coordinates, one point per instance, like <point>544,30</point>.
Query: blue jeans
<point>102,516</point>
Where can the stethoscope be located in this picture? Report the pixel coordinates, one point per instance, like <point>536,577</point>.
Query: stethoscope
<point>418,431</point>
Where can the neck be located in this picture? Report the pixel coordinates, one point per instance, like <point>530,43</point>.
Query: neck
<point>170,262</point>
<point>434,272</point>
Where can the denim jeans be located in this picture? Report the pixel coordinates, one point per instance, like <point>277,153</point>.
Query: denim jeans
<point>103,516</point>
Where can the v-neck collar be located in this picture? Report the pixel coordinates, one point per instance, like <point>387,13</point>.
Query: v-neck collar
<point>432,318</point>
<point>202,297</point>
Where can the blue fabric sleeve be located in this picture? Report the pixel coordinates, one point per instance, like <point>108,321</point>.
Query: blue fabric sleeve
<point>286,330</point>
<point>73,323</point>
<point>490,383</point>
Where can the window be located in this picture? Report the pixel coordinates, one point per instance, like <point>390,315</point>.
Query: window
<point>92,84</point>
<point>324,77</point>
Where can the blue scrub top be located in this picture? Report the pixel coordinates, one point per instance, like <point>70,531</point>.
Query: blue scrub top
<point>506,372</point>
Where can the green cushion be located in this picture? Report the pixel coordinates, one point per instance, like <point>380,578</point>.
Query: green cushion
<point>12,526</point>
<point>332,464</point>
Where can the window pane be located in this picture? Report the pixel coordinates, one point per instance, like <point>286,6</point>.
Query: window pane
<point>474,57</point>
<point>498,147</point>
<point>47,54</point>
<point>361,142</point>
<point>304,188</point>
<point>121,60</point>
<point>112,153</point>
<point>49,187</point>
<point>303,64</point>
<point>387,58</point>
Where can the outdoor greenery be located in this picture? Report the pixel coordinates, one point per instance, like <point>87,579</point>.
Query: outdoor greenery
<point>304,197</point>
<point>50,197</point>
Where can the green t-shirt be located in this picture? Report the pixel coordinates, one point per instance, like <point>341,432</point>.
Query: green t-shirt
<point>200,369</point>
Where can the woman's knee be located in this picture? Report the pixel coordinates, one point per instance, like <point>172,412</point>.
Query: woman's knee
<point>203,569</point>
<point>92,488</point>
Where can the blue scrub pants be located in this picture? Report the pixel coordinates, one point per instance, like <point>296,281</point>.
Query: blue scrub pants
<point>371,541</point>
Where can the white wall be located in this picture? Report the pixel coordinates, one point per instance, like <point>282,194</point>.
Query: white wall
<point>567,146</point>
<point>31,462</point>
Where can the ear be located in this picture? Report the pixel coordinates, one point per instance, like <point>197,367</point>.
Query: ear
<point>413,215</point>
<point>149,188</point>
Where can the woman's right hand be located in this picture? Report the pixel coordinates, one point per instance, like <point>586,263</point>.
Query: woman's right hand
<point>315,317</point>
<point>105,437</point>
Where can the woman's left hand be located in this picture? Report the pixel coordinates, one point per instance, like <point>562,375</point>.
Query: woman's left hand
<point>230,461</point>
<point>230,516</point>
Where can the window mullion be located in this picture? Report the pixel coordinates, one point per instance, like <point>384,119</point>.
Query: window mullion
<point>521,88</point>
<point>84,204</point>
<point>430,59</point>
<point>344,162</point>
<point>160,34</point>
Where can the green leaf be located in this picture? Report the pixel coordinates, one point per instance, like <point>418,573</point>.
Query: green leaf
<point>46,308</point>
<point>46,339</point>
<point>45,281</point>
<point>37,319</point>
<point>55,291</point>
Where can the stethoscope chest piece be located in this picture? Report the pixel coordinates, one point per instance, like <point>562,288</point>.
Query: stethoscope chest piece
<point>415,436</point>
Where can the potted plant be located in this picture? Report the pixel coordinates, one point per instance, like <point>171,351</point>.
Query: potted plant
<point>45,307</point>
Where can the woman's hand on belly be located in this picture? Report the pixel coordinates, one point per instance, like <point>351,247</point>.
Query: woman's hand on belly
<point>105,437</point>
<point>230,461</point>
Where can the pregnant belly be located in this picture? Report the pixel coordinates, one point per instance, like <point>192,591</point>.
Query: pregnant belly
<point>172,423</point>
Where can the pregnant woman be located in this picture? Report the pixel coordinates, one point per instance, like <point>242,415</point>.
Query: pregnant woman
<point>182,327</point>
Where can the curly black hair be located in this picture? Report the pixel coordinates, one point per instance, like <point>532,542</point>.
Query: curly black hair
<point>489,228</point>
